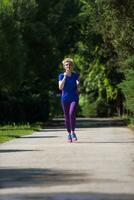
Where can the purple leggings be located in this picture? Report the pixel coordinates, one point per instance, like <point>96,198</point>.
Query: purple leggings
<point>69,110</point>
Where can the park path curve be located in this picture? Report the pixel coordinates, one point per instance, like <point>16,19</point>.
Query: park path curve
<point>43,166</point>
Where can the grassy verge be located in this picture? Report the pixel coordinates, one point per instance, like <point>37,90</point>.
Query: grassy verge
<point>9,132</point>
<point>130,121</point>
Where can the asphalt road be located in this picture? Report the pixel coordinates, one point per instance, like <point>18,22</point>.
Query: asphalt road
<point>44,166</point>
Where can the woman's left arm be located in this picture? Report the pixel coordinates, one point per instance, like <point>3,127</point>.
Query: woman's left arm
<point>77,82</point>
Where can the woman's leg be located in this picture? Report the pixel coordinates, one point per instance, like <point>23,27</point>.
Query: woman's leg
<point>72,114</point>
<point>66,107</point>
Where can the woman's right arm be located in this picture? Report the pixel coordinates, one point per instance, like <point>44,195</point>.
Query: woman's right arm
<point>62,83</point>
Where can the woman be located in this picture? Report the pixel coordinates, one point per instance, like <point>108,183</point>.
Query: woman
<point>68,83</point>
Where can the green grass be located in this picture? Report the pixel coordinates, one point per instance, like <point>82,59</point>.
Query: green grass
<point>8,132</point>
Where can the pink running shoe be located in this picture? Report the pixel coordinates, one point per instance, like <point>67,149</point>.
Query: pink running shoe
<point>74,138</point>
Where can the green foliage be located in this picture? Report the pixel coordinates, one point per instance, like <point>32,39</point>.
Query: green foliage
<point>116,21</point>
<point>36,35</point>
<point>26,104</point>
<point>93,108</point>
<point>97,79</point>
<point>106,50</point>
<point>88,108</point>
<point>9,132</point>
<point>127,87</point>
<point>12,46</point>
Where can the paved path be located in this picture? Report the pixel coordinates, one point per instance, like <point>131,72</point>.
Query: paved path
<point>43,166</point>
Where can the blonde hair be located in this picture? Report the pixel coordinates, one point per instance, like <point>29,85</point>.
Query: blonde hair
<point>70,60</point>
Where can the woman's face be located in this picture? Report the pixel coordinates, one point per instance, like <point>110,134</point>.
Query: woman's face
<point>68,66</point>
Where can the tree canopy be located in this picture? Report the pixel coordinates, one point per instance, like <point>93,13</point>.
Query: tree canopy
<point>36,35</point>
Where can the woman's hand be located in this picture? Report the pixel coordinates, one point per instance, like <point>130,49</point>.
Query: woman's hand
<point>65,74</point>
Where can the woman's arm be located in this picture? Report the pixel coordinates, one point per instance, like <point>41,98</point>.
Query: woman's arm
<point>77,82</point>
<point>62,82</point>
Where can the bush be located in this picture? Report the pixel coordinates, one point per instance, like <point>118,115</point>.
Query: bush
<point>28,104</point>
<point>127,87</point>
<point>88,108</point>
<point>102,108</point>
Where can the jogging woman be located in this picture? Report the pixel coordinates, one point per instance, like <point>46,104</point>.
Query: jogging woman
<point>68,84</point>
